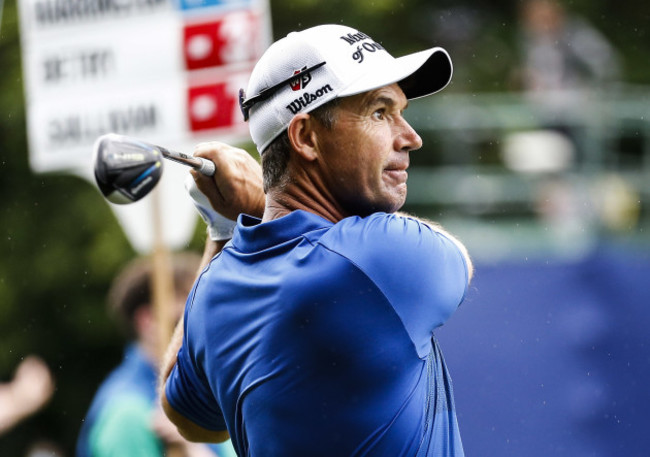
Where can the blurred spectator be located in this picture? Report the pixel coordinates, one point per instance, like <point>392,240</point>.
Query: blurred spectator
<point>29,390</point>
<point>565,62</point>
<point>561,51</point>
<point>566,211</point>
<point>125,418</point>
<point>618,203</point>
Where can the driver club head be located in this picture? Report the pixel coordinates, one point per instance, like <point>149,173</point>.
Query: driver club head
<point>126,169</point>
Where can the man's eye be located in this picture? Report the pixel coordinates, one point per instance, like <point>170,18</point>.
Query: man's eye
<point>379,114</point>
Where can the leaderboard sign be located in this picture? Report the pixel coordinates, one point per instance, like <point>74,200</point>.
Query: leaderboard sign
<point>165,71</point>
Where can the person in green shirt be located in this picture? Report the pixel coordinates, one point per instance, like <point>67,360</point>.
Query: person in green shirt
<point>124,418</point>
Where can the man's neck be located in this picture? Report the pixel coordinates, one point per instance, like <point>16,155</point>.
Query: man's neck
<point>282,202</point>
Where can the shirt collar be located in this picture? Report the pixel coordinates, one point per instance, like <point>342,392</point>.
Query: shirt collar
<point>252,235</point>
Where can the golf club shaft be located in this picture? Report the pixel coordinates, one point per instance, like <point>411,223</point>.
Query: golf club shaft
<point>200,164</point>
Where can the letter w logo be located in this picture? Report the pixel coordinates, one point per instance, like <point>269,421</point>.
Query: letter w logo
<point>300,82</point>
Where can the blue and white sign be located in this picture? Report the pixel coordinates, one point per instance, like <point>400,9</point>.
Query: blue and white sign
<point>166,71</point>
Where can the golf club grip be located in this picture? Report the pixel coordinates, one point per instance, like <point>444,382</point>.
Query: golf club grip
<point>207,167</point>
<point>200,164</point>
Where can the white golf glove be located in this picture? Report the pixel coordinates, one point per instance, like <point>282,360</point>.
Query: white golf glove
<point>219,227</point>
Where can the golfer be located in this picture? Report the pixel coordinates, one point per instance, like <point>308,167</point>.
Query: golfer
<point>311,333</point>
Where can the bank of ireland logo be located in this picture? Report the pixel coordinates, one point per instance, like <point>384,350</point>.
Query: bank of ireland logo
<point>301,81</point>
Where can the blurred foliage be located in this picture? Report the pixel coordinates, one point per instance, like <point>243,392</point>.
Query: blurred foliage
<point>60,245</point>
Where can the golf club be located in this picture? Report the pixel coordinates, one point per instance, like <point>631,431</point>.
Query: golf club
<point>126,168</point>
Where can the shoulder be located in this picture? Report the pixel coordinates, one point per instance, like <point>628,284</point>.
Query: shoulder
<point>383,233</point>
<point>398,251</point>
<point>386,224</point>
<point>395,242</point>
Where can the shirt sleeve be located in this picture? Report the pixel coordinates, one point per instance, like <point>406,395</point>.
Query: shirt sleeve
<point>421,272</point>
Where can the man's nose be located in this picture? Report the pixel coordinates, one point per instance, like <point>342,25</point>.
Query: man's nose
<point>407,138</point>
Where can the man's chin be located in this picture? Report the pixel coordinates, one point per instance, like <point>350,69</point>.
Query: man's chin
<point>395,204</point>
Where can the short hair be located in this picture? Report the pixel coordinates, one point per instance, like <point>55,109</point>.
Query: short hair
<point>131,289</point>
<point>275,158</point>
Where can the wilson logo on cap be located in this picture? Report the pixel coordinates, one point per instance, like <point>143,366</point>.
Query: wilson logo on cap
<point>308,98</point>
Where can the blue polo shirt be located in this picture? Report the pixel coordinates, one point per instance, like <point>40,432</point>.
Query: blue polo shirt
<point>308,338</point>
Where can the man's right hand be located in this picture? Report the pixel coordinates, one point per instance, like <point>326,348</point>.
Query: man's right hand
<point>236,186</point>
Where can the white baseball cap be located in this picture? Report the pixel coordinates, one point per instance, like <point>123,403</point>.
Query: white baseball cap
<point>307,69</point>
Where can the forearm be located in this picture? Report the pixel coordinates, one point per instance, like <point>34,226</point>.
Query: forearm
<point>169,357</point>
<point>187,429</point>
<point>235,188</point>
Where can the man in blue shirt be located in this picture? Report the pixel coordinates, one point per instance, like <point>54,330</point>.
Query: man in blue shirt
<point>311,332</point>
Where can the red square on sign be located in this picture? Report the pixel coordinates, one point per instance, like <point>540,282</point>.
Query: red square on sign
<point>232,38</point>
<point>201,45</point>
<point>210,107</point>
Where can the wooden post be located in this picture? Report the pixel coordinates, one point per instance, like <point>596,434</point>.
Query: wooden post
<point>164,292</point>
<point>162,278</point>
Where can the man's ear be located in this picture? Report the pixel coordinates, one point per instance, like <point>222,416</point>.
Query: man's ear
<point>303,136</point>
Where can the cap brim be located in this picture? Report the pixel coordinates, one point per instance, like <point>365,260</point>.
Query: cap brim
<point>418,74</point>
